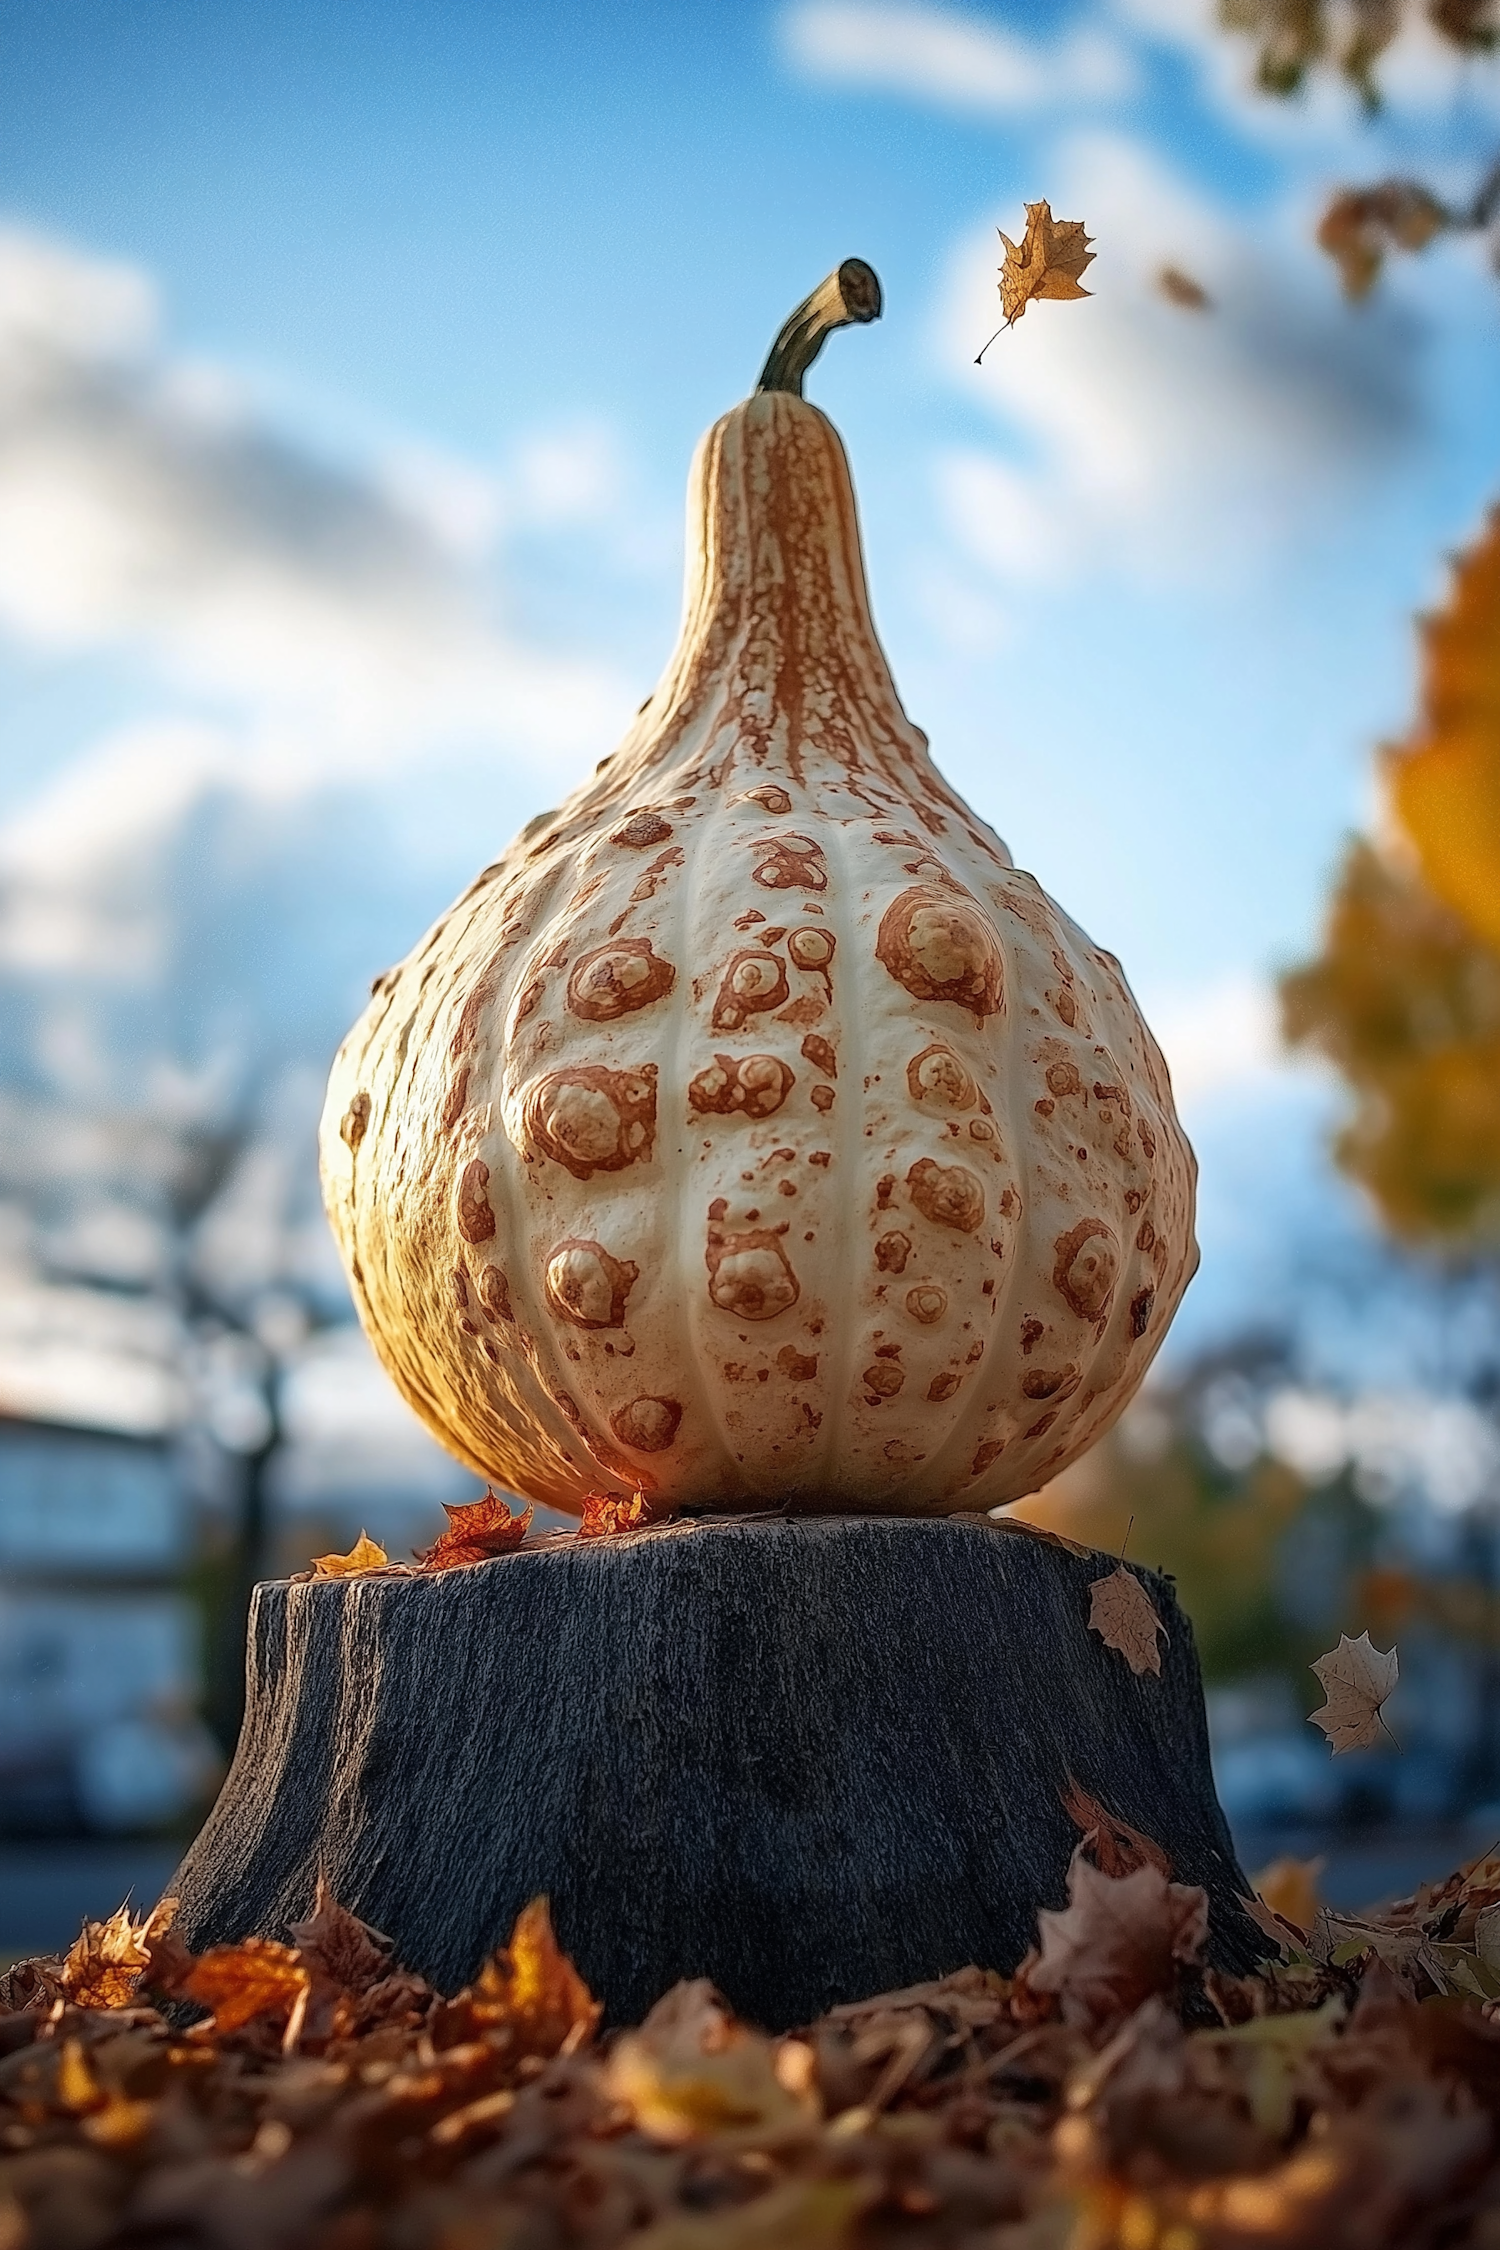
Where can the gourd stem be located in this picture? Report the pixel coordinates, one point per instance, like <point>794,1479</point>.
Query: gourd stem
<point>851,293</point>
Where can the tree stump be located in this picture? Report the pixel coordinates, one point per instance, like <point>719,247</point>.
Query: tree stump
<point>811,1759</point>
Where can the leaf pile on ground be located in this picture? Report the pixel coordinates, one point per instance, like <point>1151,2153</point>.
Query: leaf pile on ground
<point>1112,2094</point>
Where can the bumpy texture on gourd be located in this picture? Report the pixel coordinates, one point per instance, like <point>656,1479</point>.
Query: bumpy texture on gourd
<point>754,1131</point>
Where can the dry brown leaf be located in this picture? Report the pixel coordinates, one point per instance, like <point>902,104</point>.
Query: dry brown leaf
<point>104,1966</point>
<point>336,1944</point>
<point>532,1988</point>
<point>692,2072</point>
<point>487,1527</point>
<point>1123,1616</point>
<point>1118,1940</point>
<point>1047,262</point>
<point>1179,288</point>
<point>363,1555</point>
<point>1116,1847</point>
<point>240,1982</point>
<point>604,1516</point>
<point>1357,1679</point>
<point>1362,224</point>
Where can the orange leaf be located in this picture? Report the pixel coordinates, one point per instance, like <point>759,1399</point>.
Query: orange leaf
<point>104,1965</point>
<point>363,1555</point>
<point>487,1527</point>
<point>604,1516</point>
<point>1047,263</point>
<point>1116,1847</point>
<point>1444,781</point>
<point>1122,1614</point>
<point>532,1987</point>
<point>239,1982</point>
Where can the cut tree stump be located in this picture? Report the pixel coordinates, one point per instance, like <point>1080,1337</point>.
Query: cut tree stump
<point>811,1759</point>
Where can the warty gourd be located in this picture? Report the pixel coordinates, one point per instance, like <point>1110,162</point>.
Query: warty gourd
<point>754,1132</point>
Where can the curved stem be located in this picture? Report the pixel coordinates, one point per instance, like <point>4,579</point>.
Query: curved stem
<point>851,293</point>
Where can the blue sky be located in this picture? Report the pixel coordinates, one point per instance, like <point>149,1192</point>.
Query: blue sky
<point>350,364</point>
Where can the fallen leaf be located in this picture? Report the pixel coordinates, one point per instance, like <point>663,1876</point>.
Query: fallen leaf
<point>363,1555</point>
<point>1118,1940</point>
<point>240,1982</point>
<point>487,1527</point>
<point>1116,1847</point>
<point>1123,1616</point>
<point>338,1945</point>
<point>1357,1679</point>
<point>532,1988</point>
<point>1290,1889</point>
<point>605,1516</point>
<point>1274,1926</point>
<point>1047,262</point>
<point>1179,288</point>
<point>104,1965</point>
<point>692,2072</point>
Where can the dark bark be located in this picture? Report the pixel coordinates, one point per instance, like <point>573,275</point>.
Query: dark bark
<point>810,1759</point>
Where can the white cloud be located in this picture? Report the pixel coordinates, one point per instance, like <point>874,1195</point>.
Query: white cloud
<point>1222,1036</point>
<point>1157,439</point>
<point>144,508</point>
<point>950,57</point>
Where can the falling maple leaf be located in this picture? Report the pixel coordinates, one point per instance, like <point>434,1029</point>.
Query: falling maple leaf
<point>604,1516</point>
<point>486,1527</point>
<point>1118,1940</point>
<point>1357,1679</point>
<point>363,1555</point>
<point>1123,1616</point>
<point>1047,262</point>
<point>692,2071</point>
<point>237,1983</point>
<point>1181,289</point>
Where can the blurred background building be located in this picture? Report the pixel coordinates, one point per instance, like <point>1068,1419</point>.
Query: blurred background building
<point>350,364</point>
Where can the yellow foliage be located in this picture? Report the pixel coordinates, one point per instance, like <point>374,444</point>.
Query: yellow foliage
<point>1405,1000</point>
<point>1444,782</point>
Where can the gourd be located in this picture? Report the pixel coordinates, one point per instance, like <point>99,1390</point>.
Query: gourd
<point>754,1131</point>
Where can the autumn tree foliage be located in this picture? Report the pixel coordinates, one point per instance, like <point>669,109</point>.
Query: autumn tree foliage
<point>1404,997</point>
<point>1296,41</point>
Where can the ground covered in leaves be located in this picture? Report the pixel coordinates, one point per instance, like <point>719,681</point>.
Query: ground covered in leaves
<point>1114,2094</point>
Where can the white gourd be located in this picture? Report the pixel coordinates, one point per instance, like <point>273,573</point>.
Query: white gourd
<point>755,1131</point>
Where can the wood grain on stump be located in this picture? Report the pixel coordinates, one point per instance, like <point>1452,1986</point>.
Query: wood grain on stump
<point>810,1759</point>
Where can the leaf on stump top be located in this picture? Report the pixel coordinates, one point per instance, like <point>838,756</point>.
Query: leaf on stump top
<point>1357,1679</point>
<point>1118,1940</point>
<point>1046,263</point>
<point>1123,1616</point>
<point>363,1555</point>
<point>605,1516</point>
<point>487,1527</point>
